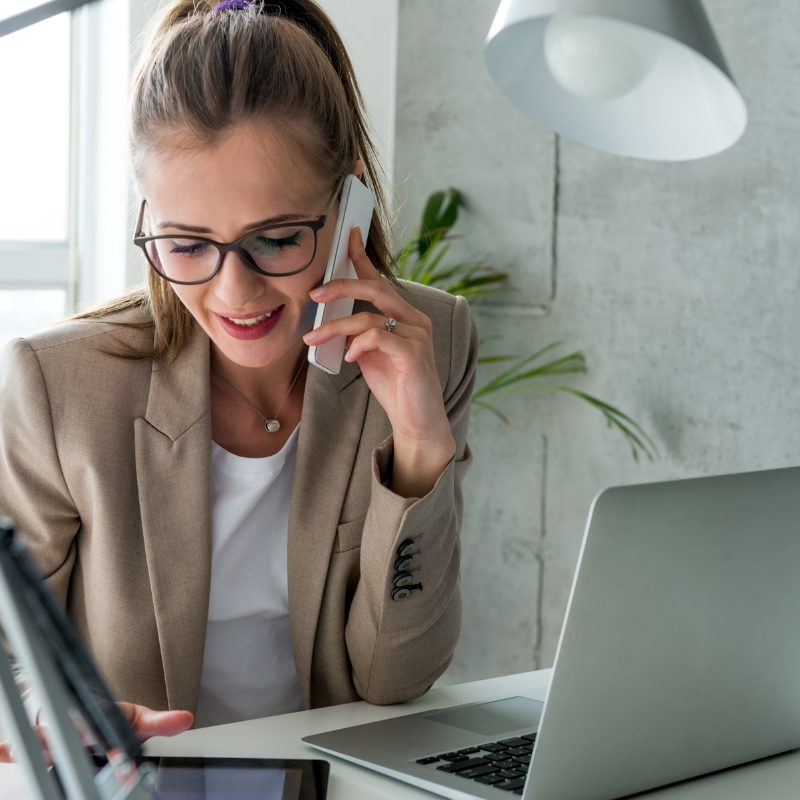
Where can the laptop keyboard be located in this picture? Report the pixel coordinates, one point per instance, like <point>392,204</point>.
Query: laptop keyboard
<point>502,764</point>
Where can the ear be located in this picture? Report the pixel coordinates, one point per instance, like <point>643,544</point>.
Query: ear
<point>358,168</point>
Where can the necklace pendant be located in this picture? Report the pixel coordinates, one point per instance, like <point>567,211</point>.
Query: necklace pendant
<point>272,425</point>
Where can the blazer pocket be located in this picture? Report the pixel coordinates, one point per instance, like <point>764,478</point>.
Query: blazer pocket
<point>348,535</point>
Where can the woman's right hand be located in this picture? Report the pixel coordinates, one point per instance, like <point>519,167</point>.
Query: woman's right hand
<point>144,721</point>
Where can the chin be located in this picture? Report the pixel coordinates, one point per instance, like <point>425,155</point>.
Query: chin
<point>250,360</point>
<point>257,354</point>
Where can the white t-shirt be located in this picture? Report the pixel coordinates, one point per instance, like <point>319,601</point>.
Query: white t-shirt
<point>248,665</point>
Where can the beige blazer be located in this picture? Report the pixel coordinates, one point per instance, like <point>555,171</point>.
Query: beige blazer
<point>105,465</point>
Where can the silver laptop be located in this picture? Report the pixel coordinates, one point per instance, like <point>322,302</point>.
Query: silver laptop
<point>679,656</point>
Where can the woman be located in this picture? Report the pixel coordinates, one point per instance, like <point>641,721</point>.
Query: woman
<point>233,532</point>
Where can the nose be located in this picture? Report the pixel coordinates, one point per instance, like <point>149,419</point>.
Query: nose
<point>236,284</point>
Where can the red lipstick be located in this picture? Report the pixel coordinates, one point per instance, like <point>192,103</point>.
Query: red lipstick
<point>252,330</point>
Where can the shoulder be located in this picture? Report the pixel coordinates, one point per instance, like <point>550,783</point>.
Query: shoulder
<point>445,310</point>
<point>130,327</point>
<point>79,361</point>
<point>428,299</point>
<point>455,337</point>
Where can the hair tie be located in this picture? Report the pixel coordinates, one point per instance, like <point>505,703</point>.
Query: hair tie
<point>231,5</point>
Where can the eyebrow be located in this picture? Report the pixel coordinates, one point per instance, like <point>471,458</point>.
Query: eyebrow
<point>251,227</point>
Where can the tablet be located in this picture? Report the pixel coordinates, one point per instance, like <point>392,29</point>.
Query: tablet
<point>183,778</point>
<point>33,622</point>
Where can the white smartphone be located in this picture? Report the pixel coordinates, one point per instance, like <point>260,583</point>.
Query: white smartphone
<point>355,211</point>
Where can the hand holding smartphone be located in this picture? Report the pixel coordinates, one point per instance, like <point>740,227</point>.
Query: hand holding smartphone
<point>355,211</point>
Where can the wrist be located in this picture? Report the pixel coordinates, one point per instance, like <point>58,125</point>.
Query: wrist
<point>417,465</point>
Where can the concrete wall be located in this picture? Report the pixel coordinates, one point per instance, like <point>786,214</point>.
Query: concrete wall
<point>680,282</point>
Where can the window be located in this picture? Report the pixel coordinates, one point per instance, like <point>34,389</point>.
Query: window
<point>34,163</point>
<point>64,185</point>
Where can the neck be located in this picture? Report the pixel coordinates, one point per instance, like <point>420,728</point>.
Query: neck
<point>265,387</point>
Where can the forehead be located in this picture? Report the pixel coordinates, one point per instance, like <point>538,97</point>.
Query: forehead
<point>257,165</point>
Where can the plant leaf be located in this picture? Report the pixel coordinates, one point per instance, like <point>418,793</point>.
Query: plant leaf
<point>572,363</point>
<point>423,259</point>
<point>637,437</point>
<point>482,406</point>
<point>430,214</point>
<point>438,217</point>
<point>493,359</point>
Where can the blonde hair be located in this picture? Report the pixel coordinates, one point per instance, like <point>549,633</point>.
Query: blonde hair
<point>207,70</point>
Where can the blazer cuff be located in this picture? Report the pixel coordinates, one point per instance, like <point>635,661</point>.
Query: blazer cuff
<point>395,518</point>
<point>382,458</point>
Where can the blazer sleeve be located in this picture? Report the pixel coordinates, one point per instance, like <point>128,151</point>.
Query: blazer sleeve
<point>33,492</point>
<point>399,646</point>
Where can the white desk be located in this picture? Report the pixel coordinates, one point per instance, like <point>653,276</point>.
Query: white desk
<point>773,779</point>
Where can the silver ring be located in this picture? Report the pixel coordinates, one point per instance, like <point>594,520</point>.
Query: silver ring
<point>390,324</point>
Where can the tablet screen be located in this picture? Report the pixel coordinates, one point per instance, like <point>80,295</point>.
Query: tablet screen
<point>238,778</point>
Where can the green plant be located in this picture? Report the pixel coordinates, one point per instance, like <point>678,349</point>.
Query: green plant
<point>424,259</point>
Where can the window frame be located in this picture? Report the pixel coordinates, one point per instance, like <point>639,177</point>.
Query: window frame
<point>93,261</point>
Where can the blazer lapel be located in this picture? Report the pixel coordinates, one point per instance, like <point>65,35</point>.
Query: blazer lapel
<point>330,430</point>
<point>173,470</point>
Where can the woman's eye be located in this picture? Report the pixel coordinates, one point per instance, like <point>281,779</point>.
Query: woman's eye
<point>271,244</point>
<point>189,248</point>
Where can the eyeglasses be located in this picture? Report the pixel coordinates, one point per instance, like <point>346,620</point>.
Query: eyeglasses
<point>278,250</point>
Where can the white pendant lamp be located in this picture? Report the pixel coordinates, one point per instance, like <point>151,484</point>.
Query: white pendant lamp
<point>640,78</point>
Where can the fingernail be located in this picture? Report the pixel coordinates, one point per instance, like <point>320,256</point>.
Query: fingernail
<point>311,336</point>
<point>315,294</point>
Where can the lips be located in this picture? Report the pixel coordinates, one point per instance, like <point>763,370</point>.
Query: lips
<point>250,321</point>
<point>251,326</point>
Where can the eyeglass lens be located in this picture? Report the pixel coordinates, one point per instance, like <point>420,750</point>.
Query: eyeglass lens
<point>275,250</point>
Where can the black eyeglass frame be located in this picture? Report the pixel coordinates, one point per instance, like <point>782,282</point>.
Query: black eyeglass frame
<point>315,224</point>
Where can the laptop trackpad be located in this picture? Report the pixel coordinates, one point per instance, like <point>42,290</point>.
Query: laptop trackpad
<point>492,719</point>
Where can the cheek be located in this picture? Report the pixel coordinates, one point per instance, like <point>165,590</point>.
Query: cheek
<point>302,285</point>
<point>308,316</point>
<point>190,296</point>
<point>324,245</point>
<point>312,276</point>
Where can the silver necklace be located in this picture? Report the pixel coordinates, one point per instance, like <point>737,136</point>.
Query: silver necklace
<point>271,424</point>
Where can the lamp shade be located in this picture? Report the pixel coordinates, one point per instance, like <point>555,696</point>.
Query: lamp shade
<point>640,78</point>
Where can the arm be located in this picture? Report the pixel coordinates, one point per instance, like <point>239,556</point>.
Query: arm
<point>398,646</point>
<point>33,491</point>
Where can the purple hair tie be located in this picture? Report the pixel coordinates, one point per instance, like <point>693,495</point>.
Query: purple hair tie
<point>231,5</point>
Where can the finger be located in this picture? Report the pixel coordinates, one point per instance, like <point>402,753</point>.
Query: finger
<point>371,287</point>
<point>41,735</point>
<point>376,292</point>
<point>147,722</point>
<point>358,255</point>
<point>389,343</point>
<point>365,271</point>
<point>7,754</point>
<point>357,324</point>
